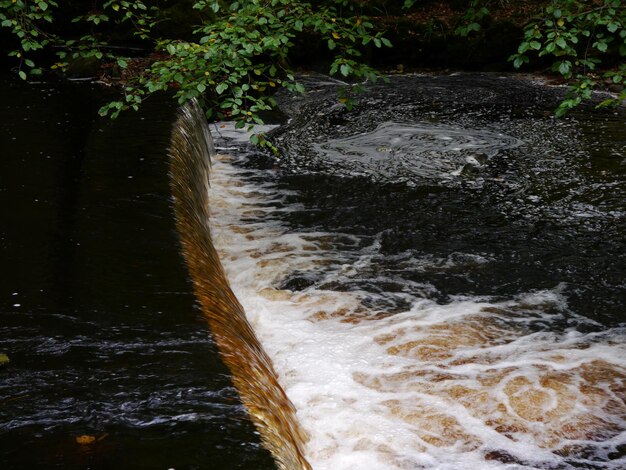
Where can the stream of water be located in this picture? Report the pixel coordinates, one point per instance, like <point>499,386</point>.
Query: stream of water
<point>434,280</point>
<point>437,275</point>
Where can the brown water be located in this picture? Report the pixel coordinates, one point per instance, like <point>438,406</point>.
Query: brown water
<point>191,151</point>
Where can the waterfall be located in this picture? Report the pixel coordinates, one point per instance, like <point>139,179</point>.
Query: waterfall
<point>252,371</point>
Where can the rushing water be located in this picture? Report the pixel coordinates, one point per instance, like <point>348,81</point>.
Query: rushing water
<point>96,313</point>
<point>437,275</point>
<point>434,280</point>
<point>253,374</point>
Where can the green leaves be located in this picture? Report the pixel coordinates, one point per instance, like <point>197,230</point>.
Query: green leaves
<point>221,88</point>
<point>235,60</point>
<point>564,67</point>
<point>473,17</point>
<point>240,55</point>
<point>578,37</point>
<point>602,46</point>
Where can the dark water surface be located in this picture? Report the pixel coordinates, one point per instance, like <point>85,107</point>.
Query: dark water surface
<point>434,190</point>
<point>96,312</point>
<point>472,175</point>
<point>438,274</point>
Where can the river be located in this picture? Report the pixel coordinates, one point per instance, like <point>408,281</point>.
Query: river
<point>436,275</point>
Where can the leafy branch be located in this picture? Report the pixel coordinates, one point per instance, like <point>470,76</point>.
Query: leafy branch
<point>240,58</point>
<point>579,36</point>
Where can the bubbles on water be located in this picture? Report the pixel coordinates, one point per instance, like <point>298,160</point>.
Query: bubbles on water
<point>384,377</point>
<point>410,151</point>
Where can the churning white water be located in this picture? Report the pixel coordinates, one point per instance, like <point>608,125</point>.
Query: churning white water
<point>387,379</point>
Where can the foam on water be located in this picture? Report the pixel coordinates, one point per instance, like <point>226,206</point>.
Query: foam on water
<point>387,379</point>
<point>426,150</point>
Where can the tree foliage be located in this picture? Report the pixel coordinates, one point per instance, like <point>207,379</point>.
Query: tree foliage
<point>236,57</point>
<point>238,53</point>
<point>579,37</point>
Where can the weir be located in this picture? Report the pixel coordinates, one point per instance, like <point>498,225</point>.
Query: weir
<point>408,325</point>
<point>252,370</point>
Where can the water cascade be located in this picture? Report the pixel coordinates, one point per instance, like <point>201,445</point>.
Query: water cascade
<point>385,378</point>
<point>400,349</point>
<point>253,374</point>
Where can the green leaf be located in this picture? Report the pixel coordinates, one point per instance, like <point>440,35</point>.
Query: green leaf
<point>4,359</point>
<point>201,87</point>
<point>22,74</point>
<point>606,103</point>
<point>601,46</point>
<point>171,49</point>
<point>221,88</point>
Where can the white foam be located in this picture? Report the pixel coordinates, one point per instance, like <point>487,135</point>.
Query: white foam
<point>468,385</point>
<point>425,150</point>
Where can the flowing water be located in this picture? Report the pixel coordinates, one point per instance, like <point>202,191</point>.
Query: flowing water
<point>252,371</point>
<point>437,275</point>
<point>96,313</point>
<point>433,280</point>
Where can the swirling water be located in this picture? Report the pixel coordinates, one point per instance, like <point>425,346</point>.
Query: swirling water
<point>398,150</point>
<point>424,317</point>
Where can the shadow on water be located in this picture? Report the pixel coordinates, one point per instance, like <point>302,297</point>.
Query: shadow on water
<point>96,312</point>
